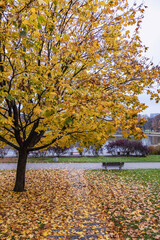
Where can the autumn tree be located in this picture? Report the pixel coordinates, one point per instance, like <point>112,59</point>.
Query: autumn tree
<point>148,124</point>
<point>65,67</point>
<point>156,123</point>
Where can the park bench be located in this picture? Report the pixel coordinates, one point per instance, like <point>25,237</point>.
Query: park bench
<point>112,164</point>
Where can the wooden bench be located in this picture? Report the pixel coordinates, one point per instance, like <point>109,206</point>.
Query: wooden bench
<point>112,164</point>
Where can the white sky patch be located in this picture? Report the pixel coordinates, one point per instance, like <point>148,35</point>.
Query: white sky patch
<point>150,36</point>
<point>150,31</point>
<point>153,107</point>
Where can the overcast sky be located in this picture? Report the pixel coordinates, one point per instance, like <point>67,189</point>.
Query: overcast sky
<point>150,36</point>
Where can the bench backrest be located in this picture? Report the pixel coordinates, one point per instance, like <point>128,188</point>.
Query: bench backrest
<point>113,163</point>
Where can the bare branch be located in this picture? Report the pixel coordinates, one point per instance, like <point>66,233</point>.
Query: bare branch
<point>16,124</point>
<point>25,6</point>
<point>9,143</point>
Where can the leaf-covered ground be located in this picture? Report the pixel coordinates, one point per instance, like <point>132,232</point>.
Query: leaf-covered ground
<point>61,204</point>
<point>32,214</point>
<point>130,201</point>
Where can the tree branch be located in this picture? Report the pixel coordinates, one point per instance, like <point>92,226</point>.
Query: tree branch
<point>44,146</point>
<point>36,138</point>
<point>16,128</point>
<point>53,141</point>
<point>32,133</point>
<point>26,6</point>
<point>9,143</point>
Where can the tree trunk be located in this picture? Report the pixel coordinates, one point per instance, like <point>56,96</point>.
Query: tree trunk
<point>21,169</point>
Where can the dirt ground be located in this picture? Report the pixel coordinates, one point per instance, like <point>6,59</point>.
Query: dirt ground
<point>8,160</point>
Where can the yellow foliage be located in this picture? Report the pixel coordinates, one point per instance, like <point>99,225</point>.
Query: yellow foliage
<point>68,74</point>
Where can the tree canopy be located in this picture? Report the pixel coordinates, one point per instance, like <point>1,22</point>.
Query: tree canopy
<point>156,123</point>
<point>66,67</point>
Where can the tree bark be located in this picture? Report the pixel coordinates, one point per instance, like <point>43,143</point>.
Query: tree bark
<point>21,169</point>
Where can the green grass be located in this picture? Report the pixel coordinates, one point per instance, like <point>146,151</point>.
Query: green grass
<point>146,177</point>
<point>130,198</point>
<point>151,158</point>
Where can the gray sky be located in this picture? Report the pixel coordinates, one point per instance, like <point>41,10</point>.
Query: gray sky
<point>150,36</point>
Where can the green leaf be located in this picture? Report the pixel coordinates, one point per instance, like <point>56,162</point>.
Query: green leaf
<point>39,26</point>
<point>41,19</point>
<point>81,88</point>
<point>68,121</point>
<point>15,23</point>
<point>23,33</point>
<point>54,49</point>
<point>48,113</point>
<point>9,97</point>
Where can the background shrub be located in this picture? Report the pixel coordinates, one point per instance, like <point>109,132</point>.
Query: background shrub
<point>126,148</point>
<point>3,152</point>
<point>139,148</point>
<point>38,154</point>
<point>57,150</point>
<point>96,150</point>
<point>154,150</point>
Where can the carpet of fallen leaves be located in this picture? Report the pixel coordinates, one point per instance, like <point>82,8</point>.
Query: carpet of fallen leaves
<point>32,214</point>
<point>129,208</point>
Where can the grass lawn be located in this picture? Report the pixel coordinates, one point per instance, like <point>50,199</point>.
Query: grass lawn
<point>130,201</point>
<point>146,177</point>
<point>150,158</point>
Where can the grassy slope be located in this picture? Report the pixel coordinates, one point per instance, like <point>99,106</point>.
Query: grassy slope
<point>151,158</point>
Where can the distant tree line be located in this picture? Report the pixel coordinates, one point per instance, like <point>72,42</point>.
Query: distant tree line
<point>152,124</point>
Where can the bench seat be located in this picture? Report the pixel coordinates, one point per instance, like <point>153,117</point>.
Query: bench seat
<point>112,164</point>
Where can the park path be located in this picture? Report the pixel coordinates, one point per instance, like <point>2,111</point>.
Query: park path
<point>86,221</point>
<point>127,165</point>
